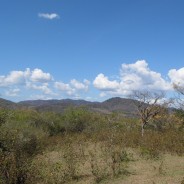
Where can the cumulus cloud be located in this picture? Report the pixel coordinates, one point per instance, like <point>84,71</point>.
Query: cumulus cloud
<point>177,76</point>
<point>37,75</point>
<point>49,16</point>
<point>79,85</point>
<point>40,84</point>
<point>73,87</point>
<point>22,77</point>
<point>64,88</point>
<point>13,78</point>
<point>102,82</point>
<point>136,76</point>
<point>31,79</point>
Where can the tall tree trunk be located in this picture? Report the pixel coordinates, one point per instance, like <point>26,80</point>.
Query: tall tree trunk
<point>143,127</point>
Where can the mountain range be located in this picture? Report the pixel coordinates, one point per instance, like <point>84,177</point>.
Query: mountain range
<point>122,105</point>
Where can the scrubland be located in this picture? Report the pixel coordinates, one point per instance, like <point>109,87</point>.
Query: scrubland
<point>80,146</point>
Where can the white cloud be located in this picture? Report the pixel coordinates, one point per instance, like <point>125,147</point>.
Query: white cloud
<point>73,87</point>
<point>13,78</point>
<point>37,75</point>
<point>43,87</point>
<point>49,16</point>
<point>102,82</point>
<point>37,81</point>
<point>79,85</point>
<point>29,79</point>
<point>22,77</point>
<point>65,88</point>
<point>177,76</point>
<point>136,76</point>
<point>139,76</point>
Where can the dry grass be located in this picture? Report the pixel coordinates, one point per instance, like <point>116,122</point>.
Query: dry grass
<point>92,163</point>
<point>167,170</point>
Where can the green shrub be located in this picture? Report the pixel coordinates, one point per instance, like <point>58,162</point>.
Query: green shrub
<point>76,119</point>
<point>19,143</point>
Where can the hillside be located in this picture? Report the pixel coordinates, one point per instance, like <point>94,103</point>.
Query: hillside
<point>111,105</point>
<point>117,104</point>
<point>8,104</point>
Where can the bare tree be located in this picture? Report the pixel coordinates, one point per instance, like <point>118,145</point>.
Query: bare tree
<point>180,97</point>
<point>180,102</point>
<point>148,105</point>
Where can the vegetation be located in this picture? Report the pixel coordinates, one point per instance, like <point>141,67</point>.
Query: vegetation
<point>80,145</point>
<point>148,106</point>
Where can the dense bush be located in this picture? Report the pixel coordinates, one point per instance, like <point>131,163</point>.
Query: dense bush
<point>19,142</point>
<point>77,119</point>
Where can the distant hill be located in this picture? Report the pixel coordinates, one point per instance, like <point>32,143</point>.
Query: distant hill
<point>53,105</point>
<point>38,103</point>
<point>123,105</point>
<point>7,104</point>
<point>119,104</point>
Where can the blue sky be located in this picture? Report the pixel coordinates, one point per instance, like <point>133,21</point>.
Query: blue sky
<point>89,49</point>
